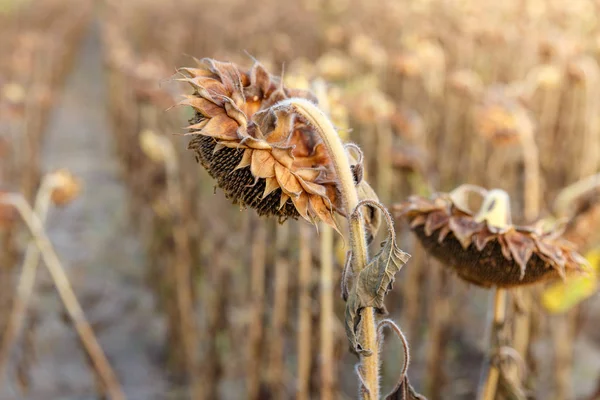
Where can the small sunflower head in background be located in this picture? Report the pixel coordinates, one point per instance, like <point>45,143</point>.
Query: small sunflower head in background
<point>579,204</point>
<point>485,248</point>
<point>501,118</point>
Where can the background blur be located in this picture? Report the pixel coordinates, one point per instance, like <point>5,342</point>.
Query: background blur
<point>434,91</point>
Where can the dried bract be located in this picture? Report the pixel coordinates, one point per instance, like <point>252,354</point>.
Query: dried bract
<point>262,157</point>
<point>484,253</point>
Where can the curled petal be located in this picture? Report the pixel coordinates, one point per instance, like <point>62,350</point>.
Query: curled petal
<point>229,76</point>
<point>309,174</point>
<point>482,238</point>
<point>319,207</point>
<point>209,89</point>
<point>260,78</point>
<point>443,233</point>
<point>253,143</point>
<point>521,248</point>
<point>246,159</point>
<point>205,107</point>
<point>270,186</point>
<point>197,72</point>
<point>220,127</point>
<point>283,156</point>
<point>417,221</point>
<point>435,220</point>
<point>464,228</point>
<point>283,128</point>
<point>236,114</point>
<point>313,188</point>
<point>315,159</point>
<point>283,199</point>
<point>263,164</point>
<point>197,127</point>
<point>301,204</point>
<point>288,182</point>
<point>504,248</point>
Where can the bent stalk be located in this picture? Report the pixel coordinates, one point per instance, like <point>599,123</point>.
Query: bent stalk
<point>369,365</point>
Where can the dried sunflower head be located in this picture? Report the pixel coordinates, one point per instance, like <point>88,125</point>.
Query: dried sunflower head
<point>485,248</point>
<point>261,156</point>
<point>579,204</point>
<point>501,118</point>
<point>66,189</point>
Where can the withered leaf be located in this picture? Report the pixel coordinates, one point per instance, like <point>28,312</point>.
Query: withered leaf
<point>374,281</point>
<point>372,215</point>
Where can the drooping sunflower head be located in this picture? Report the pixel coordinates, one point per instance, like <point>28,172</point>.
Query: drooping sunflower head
<point>485,248</point>
<point>501,118</point>
<point>263,157</point>
<point>579,204</point>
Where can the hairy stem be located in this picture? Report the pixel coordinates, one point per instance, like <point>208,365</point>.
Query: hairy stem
<point>369,365</point>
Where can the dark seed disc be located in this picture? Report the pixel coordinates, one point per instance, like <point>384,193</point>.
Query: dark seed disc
<point>484,268</point>
<point>240,185</point>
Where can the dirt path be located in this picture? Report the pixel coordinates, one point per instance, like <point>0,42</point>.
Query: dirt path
<point>103,257</point>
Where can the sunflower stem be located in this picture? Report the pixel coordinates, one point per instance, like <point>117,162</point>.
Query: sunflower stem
<point>28,274</point>
<point>327,314</point>
<point>522,316</point>
<point>67,295</point>
<point>369,367</point>
<point>490,383</point>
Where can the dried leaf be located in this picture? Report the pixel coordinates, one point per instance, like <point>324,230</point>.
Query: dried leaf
<point>375,280</point>
<point>346,273</point>
<point>372,216</point>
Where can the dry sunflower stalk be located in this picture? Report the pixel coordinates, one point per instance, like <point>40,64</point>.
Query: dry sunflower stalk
<point>485,252</point>
<point>270,148</point>
<point>262,157</point>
